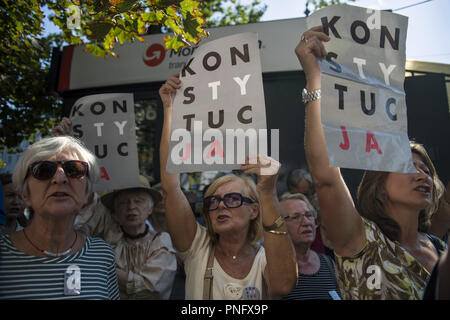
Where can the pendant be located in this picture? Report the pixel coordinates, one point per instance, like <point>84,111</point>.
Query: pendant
<point>72,281</point>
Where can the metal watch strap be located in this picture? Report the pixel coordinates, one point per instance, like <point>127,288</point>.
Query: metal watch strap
<point>308,96</point>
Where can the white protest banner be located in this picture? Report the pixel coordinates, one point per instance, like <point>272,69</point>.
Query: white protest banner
<point>106,125</point>
<point>219,114</point>
<point>363,100</point>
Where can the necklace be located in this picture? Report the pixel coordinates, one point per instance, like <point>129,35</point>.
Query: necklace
<point>48,253</point>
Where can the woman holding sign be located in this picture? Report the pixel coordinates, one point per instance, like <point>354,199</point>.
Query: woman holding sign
<point>382,250</point>
<point>224,260</point>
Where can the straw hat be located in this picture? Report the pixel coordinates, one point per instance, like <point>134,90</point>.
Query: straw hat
<point>108,198</point>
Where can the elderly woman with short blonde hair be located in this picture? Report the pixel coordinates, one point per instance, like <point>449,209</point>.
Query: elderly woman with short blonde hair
<point>54,177</point>
<point>225,260</point>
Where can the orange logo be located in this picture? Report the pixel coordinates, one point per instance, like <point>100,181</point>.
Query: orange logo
<point>154,55</point>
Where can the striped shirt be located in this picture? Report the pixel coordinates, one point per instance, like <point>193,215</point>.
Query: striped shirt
<point>315,286</point>
<point>91,270</point>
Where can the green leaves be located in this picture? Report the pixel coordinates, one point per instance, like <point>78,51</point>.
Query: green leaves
<point>175,43</point>
<point>108,22</point>
<point>98,30</point>
<point>27,106</point>
<point>231,12</point>
<point>126,5</point>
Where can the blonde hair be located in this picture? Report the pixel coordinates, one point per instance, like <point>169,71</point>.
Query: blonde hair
<point>255,230</point>
<point>299,196</point>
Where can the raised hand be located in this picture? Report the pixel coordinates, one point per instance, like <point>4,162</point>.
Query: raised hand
<point>63,128</point>
<point>168,89</point>
<point>265,168</point>
<point>310,47</point>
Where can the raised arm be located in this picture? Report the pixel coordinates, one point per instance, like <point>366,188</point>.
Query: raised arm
<point>344,225</point>
<point>281,269</point>
<point>180,218</point>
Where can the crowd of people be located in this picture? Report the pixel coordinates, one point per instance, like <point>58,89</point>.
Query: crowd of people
<point>62,240</point>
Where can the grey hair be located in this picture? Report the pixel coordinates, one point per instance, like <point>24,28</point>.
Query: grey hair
<point>296,175</point>
<point>45,149</point>
<point>132,190</point>
<point>302,197</point>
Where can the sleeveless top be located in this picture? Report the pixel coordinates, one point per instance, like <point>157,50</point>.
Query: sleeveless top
<point>318,286</point>
<point>224,286</point>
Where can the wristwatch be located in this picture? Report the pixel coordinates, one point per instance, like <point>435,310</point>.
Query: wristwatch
<point>278,223</point>
<point>308,96</point>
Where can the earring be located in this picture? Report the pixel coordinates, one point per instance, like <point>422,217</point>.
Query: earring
<point>27,213</point>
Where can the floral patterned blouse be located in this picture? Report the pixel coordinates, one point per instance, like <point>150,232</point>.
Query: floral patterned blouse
<point>382,270</point>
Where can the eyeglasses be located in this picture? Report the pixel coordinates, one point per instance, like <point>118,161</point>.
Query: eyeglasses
<point>44,170</point>
<point>299,216</point>
<point>230,200</point>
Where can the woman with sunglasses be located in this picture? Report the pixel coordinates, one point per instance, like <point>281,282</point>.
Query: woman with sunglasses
<point>49,259</point>
<point>224,260</point>
<point>382,248</point>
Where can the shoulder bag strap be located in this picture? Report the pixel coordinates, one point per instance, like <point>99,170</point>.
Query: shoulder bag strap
<point>208,278</point>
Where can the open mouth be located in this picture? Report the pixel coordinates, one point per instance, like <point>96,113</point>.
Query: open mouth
<point>222,217</point>
<point>424,189</point>
<point>132,216</point>
<point>60,194</point>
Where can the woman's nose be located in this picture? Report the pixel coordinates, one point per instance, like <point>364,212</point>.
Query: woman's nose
<point>306,222</point>
<point>221,204</point>
<point>422,175</point>
<point>59,176</point>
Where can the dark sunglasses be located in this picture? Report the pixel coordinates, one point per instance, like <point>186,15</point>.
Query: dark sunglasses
<point>44,170</point>
<point>230,200</point>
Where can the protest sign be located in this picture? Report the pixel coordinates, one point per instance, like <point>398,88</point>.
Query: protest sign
<point>363,100</point>
<point>106,125</point>
<point>219,112</point>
